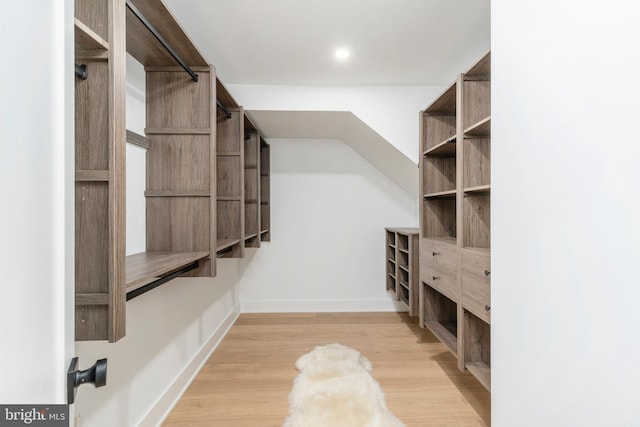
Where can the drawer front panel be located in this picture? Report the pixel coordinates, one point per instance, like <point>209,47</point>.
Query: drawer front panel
<point>441,281</point>
<point>440,255</point>
<point>476,284</point>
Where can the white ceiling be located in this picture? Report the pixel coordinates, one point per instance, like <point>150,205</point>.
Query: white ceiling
<point>292,42</point>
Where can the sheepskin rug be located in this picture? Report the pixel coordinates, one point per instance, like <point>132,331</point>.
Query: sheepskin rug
<point>335,389</point>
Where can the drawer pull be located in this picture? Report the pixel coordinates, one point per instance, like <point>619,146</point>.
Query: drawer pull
<point>434,277</point>
<point>487,307</point>
<point>487,273</point>
<point>434,253</point>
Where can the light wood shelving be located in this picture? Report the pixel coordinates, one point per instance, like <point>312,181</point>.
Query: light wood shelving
<point>251,184</point>
<point>195,195</point>
<point>265,191</point>
<point>402,266</point>
<point>455,235</point>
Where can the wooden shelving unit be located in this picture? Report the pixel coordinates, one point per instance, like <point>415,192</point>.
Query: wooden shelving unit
<point>402,266</point>
<point>195,194</point>
<point>251,184</point>
<point>455,233</point>
<point>265,191</point>
<point>99,165</point>
<point>230,174</point>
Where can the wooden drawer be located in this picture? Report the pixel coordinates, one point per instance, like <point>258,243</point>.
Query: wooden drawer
<point>476,283</point>
<point>440,255</point>
<point>440,280</point>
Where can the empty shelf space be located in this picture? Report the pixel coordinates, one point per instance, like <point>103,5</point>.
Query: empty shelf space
<point>441,194</point>
<point>404,267</point>
<point>264,231</point>
<point>478,189</point>
<point>87,39</point>
<point>251,166</point>
<point>442,330</point>
<point>226,243</point>
<point>145,267</point>
<point>405,285</point>
<point>403,250</point>
<point>446,148</point>
<point>250,236</point>
<point>481,129</point>
<point>481,371</point>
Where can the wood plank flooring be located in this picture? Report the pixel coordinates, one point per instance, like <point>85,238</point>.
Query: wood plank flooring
<point>247,380</point>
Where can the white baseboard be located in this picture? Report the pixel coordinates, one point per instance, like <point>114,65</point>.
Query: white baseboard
<point>174,392</point>
<point>319,306</point>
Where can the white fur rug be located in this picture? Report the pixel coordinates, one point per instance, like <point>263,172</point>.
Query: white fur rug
<point>335,389</point>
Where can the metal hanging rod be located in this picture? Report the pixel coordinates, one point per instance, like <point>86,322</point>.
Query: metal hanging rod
<point>224,110</point>
<point>146,288</point>
<point>162,41</point>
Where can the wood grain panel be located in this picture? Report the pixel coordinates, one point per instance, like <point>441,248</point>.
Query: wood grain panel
<point>146,49</point>
<point>145,267</point>
<point>174,226</point>
<point>251,184</point>
<point>179,162</point>
<point>476,283</point>
<point>477,162</point>
<point>251,212</point>
<point>94,14</point>
<point>477,348</point>
<point>251,150</point>
<point>439,218</point>
<point>440,315</point>
<point>230,220</point>
<point>445,104</point>
<point>437,129</point>
<point>92,233</point>
<point>229,171</point>
<point>92,321</point>
<point>230,134</point>
<point>117,170</point>
<point>439,174</point>
<point>477,102</point>
<point>92,114</point>
<point>225,98</point>
<point>174,100</point>
<point>477,221</point>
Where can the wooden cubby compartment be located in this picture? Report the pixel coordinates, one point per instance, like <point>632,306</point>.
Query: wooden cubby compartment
<point>477,348</point>
<point>440,315</point>
<point>439,218</point>
<point>477,220</point>
<point>401,248</point>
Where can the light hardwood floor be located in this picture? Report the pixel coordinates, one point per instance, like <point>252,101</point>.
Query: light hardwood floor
<point>247,380</point>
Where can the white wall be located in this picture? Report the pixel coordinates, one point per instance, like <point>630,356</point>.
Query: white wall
<point>565,210</point>
<point>392,111</point>
<point>36,184</point>
<point>329,210</point>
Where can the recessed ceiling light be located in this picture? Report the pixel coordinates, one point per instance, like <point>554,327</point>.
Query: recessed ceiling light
<point>342,53</point>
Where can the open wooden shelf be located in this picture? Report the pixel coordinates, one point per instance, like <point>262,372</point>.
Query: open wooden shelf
<point>87,39</point>
<point>455,219</point>
<point>226,243</point>
<point>481,129</point>
<point>441,195</point>
<point>145,267</point>
<point>401,248</point>
<point>446,148</point>
<point>443,331</point>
